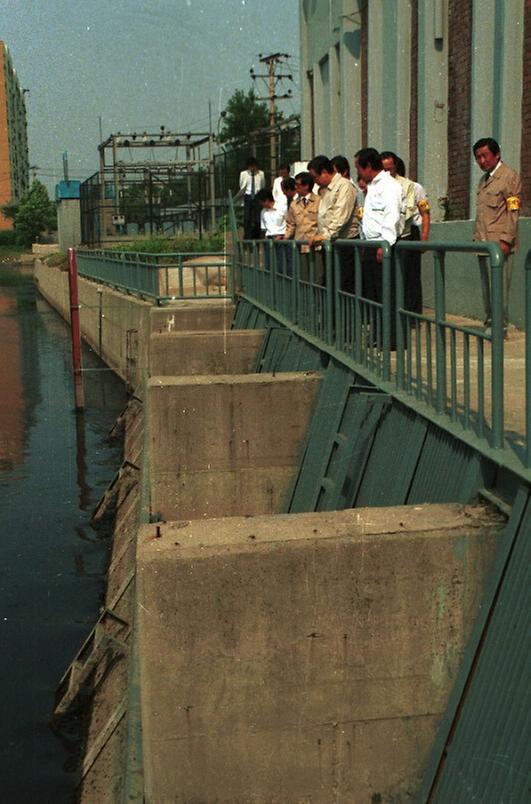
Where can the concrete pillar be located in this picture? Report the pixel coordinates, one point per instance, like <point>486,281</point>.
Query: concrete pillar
<point>377,96</point>
<point>334,99</point>
<point>307,121</point>
<point>350,78</point>
<point>226,445</point>
<point>432,103</point>
<point>496,91</point>
<point>303,657</point>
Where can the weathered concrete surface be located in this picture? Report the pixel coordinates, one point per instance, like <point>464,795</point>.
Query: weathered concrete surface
<point>311,655</point>
<point>190,315</point>
<point>226,445</point>
<point>181,353</point>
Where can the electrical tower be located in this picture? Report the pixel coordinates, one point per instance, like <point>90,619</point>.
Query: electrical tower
<point>274,62</point>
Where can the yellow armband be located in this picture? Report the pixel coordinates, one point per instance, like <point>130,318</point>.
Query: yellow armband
<point>424,205</point>
<point>359,213</point>
<point>513,203</point>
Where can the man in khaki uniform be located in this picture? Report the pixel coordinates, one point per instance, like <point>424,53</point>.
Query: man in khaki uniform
<point>498,205</point>
<point>301,220</point>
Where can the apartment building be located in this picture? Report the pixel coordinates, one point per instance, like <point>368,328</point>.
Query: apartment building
<point>14,164</point>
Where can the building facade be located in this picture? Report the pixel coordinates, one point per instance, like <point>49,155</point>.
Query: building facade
<point>14,163</point>
<point>426,79</point>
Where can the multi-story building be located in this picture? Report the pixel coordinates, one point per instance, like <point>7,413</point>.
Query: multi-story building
<point>426,79</point>
<point>14,164</point>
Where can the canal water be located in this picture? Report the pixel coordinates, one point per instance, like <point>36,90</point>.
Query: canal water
<point>54,467</point>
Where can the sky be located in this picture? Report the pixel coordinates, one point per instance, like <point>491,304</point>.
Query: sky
<point>138,65</point>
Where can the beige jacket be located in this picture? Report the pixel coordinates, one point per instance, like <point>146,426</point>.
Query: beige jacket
<point>301,220</point>
<point>498,205</point>
<point>337,211</point>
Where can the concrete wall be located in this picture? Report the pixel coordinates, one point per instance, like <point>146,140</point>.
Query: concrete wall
<point>181,353</point>
<point>123,323</point>
<point>226,445</point>
<point>311,655</point>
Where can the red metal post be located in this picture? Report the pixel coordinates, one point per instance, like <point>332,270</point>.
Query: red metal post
<point>75,329</point>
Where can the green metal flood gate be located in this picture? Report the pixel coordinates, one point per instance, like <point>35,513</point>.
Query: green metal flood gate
<point>449,371</point>
<point>158,277</point>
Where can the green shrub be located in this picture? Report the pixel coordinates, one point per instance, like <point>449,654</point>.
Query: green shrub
<point>8,238</point>
<point>180,243</point>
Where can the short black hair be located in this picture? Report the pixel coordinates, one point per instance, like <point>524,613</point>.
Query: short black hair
<point>369,157</point>
<point>320,163</point>
<point>341,164</point>
<point>251,162</point>
<point>264,195</point>
<point>305,178</point>
<point>288,183</point>
<point>491,144</point>
<point>400,166</point>
<point>285,166</point>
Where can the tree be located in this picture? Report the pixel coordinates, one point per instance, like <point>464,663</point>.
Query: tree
<point>33,214</point>
<point>243,114</point>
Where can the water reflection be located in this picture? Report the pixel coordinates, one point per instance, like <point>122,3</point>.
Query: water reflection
<point>54,467</point>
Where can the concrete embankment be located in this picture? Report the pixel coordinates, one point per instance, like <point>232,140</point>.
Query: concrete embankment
<point>247,654</point>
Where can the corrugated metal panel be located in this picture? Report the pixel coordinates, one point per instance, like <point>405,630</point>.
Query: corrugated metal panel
<point>325,423</point>
<point>488,755</point>
<point>393,459</point>
<point>350,449</point>
<point>447,471</point>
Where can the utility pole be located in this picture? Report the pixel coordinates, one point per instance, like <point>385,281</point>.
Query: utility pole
<point>273,61</point>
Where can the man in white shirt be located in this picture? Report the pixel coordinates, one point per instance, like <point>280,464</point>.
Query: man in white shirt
<point>284,172</point>
<point>252,180</point>
<point>381,221</point>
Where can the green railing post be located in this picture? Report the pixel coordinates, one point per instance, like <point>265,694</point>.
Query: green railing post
<point>496,284</point>
<point>400,282</point>
<point>528,357</point>
<point>295,278</point>
<point>358,293</point>
<point>386,309</point>
<point>330,292</point>
<point>440,339</point>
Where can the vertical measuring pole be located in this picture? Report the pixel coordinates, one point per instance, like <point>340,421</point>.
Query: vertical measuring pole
<point>75,330</point>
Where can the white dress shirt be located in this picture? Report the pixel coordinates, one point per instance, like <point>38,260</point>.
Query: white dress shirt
<point>381,212</point>
<point>273,222</point>
<point>246,182</point>
<point>278,192</point>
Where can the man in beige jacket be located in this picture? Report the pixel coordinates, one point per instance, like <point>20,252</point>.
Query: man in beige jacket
<point>497,210</point>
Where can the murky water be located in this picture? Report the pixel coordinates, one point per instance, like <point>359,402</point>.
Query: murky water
<point>54,466</point>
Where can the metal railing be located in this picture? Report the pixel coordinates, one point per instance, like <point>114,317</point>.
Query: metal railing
<point>159,277</point>
<point>451,368</point>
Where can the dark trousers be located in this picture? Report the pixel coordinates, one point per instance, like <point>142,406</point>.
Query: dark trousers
<point>372,278</point>
<point>413,281</point>
<point>251,218</point>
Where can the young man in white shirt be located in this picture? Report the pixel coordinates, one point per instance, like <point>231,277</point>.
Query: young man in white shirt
<point>381,221</point>
<point>272,222</point>
<point>284,172</point>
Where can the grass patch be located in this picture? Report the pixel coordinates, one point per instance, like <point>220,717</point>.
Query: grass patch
<point>11,252</point>
<point>58,260</point>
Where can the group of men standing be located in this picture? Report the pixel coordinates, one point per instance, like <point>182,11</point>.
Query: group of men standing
<point>325,203</point>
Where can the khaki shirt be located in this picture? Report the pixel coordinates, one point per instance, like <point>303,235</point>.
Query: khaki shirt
<point>301,220</point>
<point>498,204</point>
<point>409,205</point>
<point>336,218</point>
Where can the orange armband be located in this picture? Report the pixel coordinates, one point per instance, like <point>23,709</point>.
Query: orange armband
<point>513,203</point>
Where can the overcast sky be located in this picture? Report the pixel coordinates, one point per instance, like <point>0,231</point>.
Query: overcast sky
<point>137,64</point>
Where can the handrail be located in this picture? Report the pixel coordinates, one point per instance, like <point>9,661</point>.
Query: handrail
<point>455,370</point>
